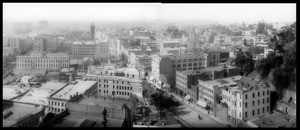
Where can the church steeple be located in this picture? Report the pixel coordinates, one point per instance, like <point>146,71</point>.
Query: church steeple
<point>93,31</point>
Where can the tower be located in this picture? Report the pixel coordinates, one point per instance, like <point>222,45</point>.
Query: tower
<point>93,31</point>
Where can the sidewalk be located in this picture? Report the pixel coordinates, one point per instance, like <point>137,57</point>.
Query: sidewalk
<point>200,111</point>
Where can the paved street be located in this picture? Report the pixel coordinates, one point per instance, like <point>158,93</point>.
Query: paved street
<point>191,117</point>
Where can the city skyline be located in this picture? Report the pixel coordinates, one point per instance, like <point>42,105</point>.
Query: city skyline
<point>105,12</point>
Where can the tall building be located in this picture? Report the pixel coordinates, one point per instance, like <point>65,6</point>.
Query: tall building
<point>248,100</point>
<point>39,62</point>
<point>51,43</point>
<point>93,31</point>
<point>102,50</point>
<point>116,82</point>
<point>81,50</point>
<point>11,42</point>
<point>39,44</point>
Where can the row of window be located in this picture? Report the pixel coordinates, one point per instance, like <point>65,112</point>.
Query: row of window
<point>181,82</point>
<point>186,60</point>
<point>53,103</point>
<point>189,64</point>
<point>258,94</point>
<point>42,65</point>
<point>57,109</point>
<point>43,60</point>
<point>258,111</point>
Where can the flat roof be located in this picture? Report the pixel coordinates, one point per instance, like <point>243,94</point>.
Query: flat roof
<point>273,120</point>
<point>40,95</point>
<point>10,92</point>
<point>18,111</point>
<point>115,77</point>
<point>207,69</point>
<point>66,70</point>
<point>70,89</point>
<point>224,81</point>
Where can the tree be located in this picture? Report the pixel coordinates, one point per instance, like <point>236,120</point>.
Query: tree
<point>261,28</point>
<point>245,62</point>
<point>162,101</point>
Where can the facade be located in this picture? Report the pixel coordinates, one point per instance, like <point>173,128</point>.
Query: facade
<point>81,50</point>
<point>39,44</point>
<point>216,57</point>
<point>11,42</point>
<point>58,100</point>
<point>67,74</point>
<point>103,50</point>
<point>93,31</point>
<point>39,62</point>
<point>171,47</point>
<point>210,91</point>
<point>168,64</point>
<point>51,43</point>
<point>22,115</point>
<point>248,100</point>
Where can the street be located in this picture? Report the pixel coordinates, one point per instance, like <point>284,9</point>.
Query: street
<point>190,116</point>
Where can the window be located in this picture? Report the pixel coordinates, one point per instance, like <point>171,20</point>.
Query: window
<point>258,111</point>
<point>253,113</point>
<point>246,96</point>
<point>263,110</point>
<point>253,103</point>
<point>258,94</point>
<point>267,92</point>
<point>263,93</point>
<point>267,108</point>
<point>267,100</point>
<point>246,114</point>
<point>253,95</point>
<point>246,105</point>
<point>240,104</point>
<point>258,102</point>
<point>263,101</point>
<point>240,114</point>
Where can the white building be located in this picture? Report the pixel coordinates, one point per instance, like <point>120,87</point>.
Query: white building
<point>116,82</point>
<point>57,101</point>
<point>102,50</point>
<point>39,62</point>
<point>209,90</point>
<point>248,100</point>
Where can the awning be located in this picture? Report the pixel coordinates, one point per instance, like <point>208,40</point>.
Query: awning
<point>187,97</point>
<point>202,103</point>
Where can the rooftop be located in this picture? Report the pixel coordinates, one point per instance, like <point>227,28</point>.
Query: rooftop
<point>225,81</point>
<point>18,111</point>
<point>66,70</point>
<point>10,92</point>
<point>115,77</point>
<point>274,120</point>
<point>207,69</point>
<point>70,89</point>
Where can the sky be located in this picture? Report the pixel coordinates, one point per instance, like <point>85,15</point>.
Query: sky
<point>224,13</point>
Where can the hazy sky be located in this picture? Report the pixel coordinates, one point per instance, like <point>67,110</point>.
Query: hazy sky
<point>248,13</point>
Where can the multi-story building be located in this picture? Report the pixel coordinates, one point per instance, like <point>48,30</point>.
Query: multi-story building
<point>51,43</point>
<point>67,74</point>
<point>116,82</point>
<point>168,64</point>
<point>171,47</point>
<point>209,91</point>
<point>216,57</point>
<point>11,42</point>
<point>58,100</point>
<point>39,44</point>
<point>81,50</point>
<point>40,62</point>
<point>247,100</point>
<point>102,50</point>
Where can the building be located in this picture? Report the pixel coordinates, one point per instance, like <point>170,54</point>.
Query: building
<point>83,49</point>
<point>22,115</point>
<point>11,42</point>
<point>90,111</point>
<point>92,31</point>
<point>39,44</point>
<point>58,100</point>
<point>116,86</point>
<point>43,24</point>
<point>210,91</point>
<point>168,64</point>
<point>67,74</point>
<point>267,51</point>
<point>171,47</point>
<point>40,62</point>
<point>51,43</point>
<point>103,50</point>
<point>216,57</point>
<point>249,99</point>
